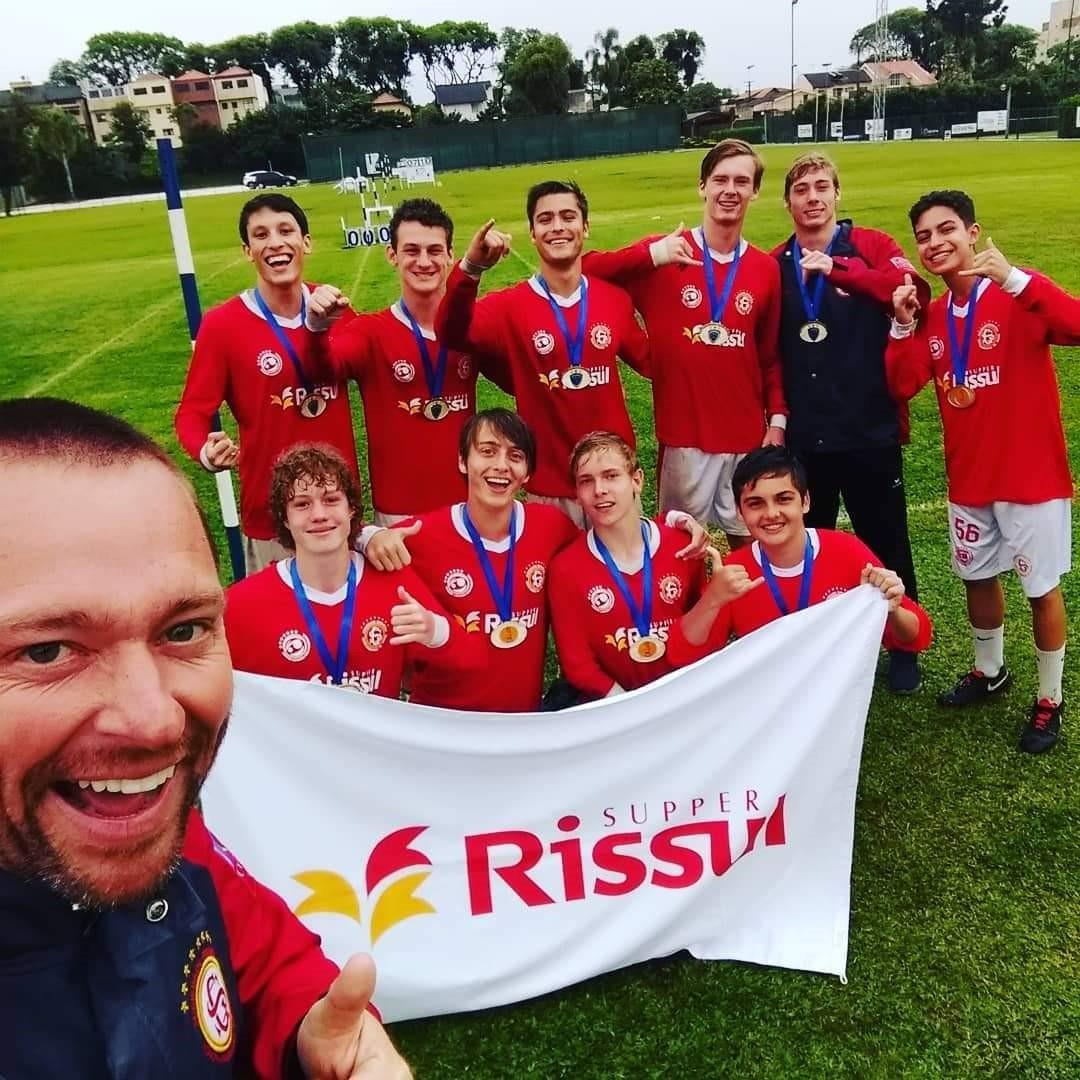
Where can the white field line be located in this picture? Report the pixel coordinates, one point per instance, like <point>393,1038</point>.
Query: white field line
<point>360,271</point>
<point>152,313</point>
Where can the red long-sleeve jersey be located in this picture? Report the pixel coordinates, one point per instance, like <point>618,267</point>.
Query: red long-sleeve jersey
<point>517,329</point>
<point>1009,446</point>
<point>444,558</point>
<point>594,630</point>
<point>279,968</point>
<point>239,360</point>
<point>267,633</point>
<point>714,398</point>
<point>412,461</point>
<point>839,558</point>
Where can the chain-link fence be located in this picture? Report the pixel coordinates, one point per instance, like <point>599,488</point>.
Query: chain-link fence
<point>509,142</point>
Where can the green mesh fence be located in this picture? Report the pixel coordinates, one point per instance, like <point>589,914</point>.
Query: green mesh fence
<point>509,142</point>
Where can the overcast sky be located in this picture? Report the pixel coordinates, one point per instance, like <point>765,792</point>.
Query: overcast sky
<point>736,33</point>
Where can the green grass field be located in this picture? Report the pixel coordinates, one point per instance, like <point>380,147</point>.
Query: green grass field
<point>965,928</point>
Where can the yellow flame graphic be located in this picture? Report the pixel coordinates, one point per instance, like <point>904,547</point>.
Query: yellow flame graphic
<point>331,894</point>
<point>398,903</point>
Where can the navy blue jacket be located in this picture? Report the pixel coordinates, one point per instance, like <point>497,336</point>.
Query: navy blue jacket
<point>836,389</point>
<point>208,978</point>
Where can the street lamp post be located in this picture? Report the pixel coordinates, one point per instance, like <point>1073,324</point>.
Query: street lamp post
<point>793,3</point>
<point>826,66</point>
<point>1007,87</point>
<point>748,68</point>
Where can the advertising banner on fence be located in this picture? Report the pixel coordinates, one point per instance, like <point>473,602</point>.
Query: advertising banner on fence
<point>806,131</point>
<point>483,859</point>
<point>994,120</point>
<point>836,129</point>
<point>901,134</point>
<point>964,129</point>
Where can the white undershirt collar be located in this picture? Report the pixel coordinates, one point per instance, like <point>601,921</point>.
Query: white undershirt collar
<point>961,311</point>
<point>789,571</point>
<point>699,238</point>
<point>314,595</point>
<point>562,301</point>
<point>457,518</point>
<point>395,310</point>
<point>637,564</point>
<point>248,297</point>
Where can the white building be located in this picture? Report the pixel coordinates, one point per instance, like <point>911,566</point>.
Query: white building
<point>1064,22</point>
<point>467,100</point>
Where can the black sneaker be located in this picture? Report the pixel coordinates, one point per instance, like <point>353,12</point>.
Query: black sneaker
<point>904,674</point>
<point>1043,727</point>
<point>974,687</point>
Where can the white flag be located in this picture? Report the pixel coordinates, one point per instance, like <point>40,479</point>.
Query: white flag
<point>483,859</point>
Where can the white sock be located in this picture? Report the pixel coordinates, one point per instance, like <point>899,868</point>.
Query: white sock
<point>1051,669</point>
<point>989,649</point>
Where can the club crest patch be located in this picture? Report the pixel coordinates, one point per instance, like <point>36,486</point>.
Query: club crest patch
<point>464,367</point>
<point>294,645</point>
<point>374,634</point>
<point>535,575</point>
<point>204,996</point>
<point>937,348</point>
<point>989,335</point>
<point>600,336</point>
<point>670,588</point>
<point>543,342</point>
<point>270,363</point>
<point>404,371</point>
<point>601,599</point>
<point>744,302</point>
<point>691,296</point>
<point>458,583</point>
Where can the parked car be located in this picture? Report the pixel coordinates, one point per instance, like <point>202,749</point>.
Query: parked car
<point>268,178</point>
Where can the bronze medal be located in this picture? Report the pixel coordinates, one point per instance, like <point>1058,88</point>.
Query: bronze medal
<point>436,408</point>
<point>960,397</point>
<point>508,634</point>
<point>647,649</point>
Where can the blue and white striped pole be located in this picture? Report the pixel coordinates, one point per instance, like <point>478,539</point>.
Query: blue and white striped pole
<point>185,266</point>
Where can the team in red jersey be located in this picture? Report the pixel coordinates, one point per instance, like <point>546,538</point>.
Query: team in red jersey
<point>787,567</point>
<point>252,352</point>
<point>711,304</point>
<point>415,391</point>
<point>986,344</point>
<point>323,615</point>
<point>618,588</point>
<point>556,337</point>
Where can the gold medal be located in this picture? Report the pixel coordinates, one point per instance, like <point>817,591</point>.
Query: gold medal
<point>508,634</point>
<point>960,397</point>
<point>714,333</point>
<point>436,408</point>
<point>574,378</point>
<point>647,649</point>
<point>813,331</point>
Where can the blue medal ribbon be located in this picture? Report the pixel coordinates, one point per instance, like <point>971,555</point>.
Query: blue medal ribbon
<point>811,305</point>
<point>282,337</point>
<point>642,615</point>
<point>335,669</point>
<point>575,346</point>
<point>435,375</point>
<point>718,304</point>
<point>504,597</point>
<point>958,355</point>
<point>804,587</point>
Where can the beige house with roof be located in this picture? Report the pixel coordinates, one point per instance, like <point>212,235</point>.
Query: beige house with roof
<point>238,92</point>
<point>151,94</point>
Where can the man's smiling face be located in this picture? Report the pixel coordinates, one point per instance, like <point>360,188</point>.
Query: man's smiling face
<point>115,680</point>
<point>277,247</point>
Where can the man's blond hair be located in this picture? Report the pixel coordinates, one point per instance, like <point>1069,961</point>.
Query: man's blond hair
<point>808,162</point>
<point>601,440</point>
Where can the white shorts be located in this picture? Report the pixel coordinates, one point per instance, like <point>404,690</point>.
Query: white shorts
<point>1034,539</point>
<point>259,554</point>
<point>570,507</point>
<point>700,484</point>
<point>384,521</point>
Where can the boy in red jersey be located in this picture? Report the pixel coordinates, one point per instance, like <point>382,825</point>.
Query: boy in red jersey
<point>417,393</point>
<point>711,305</point>
<point>321,615</point>
<point>617,589</point>
<point>252,352</point>
<point>555,336</point>
<point>986,344</point>
<point>487,561</point>
<point>799,566</point>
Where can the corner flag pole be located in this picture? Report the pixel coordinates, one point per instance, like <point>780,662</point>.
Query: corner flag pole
<point>185,266</point>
